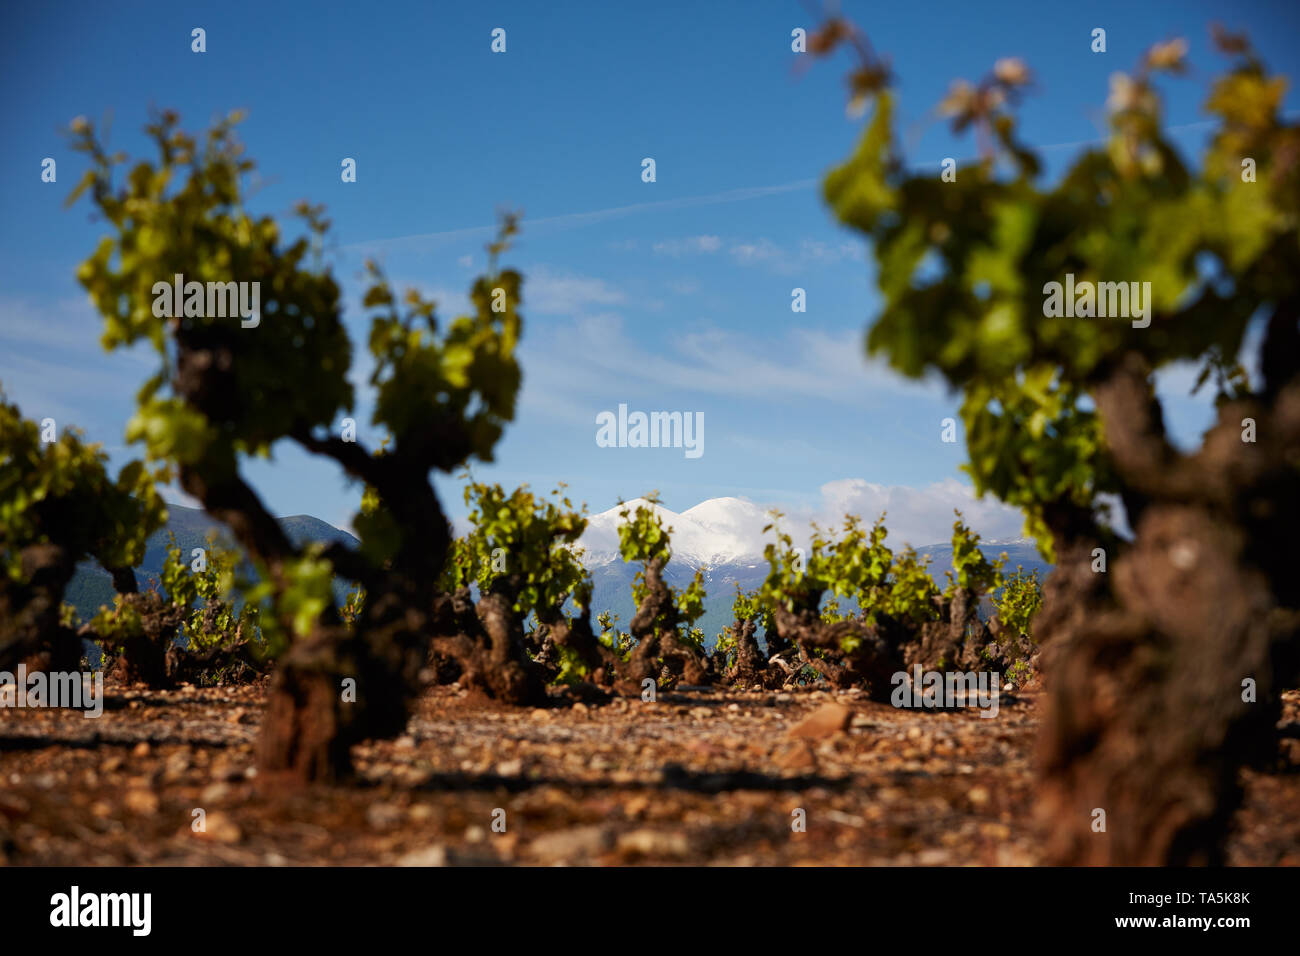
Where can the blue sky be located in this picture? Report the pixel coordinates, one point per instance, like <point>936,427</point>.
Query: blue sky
<point>673,295</point>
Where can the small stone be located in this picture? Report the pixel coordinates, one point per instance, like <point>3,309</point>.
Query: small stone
<point>572,844</point>
<point>13,806</point>
<point>178,764</point>
<point>978,796</point>
<point>847,819</point>
<point>654,843</point>
<point>701,713</point>
<point>636,806</point>
<point>221,828</point>
<point>144,802</point>
<point>796,756</point>
<point>215,793</point>
<point>224,769</point>
<point>510,768</point>
<point>383,815</point>
<point>826,721</point>
<point>141,749</point>
<point>429,856</point>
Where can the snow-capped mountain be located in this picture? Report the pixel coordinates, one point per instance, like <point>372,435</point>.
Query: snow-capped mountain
<point>725,537</point>
<point>722,532</point>
<point>714,532</point>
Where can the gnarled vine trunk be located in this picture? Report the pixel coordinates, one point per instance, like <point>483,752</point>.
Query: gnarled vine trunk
<point>1165,669</point>
<point>29,611</point>
<point>655,628</point>
<point>577,636</point>
<point>752,667</point>
<point>487,642</point>
<point>847,653</point>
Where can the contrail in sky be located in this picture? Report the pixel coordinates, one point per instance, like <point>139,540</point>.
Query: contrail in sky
<point>712,199</point>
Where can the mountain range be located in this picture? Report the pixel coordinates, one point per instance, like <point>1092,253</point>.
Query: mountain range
<point>723,536</point>
<point>92,586</point>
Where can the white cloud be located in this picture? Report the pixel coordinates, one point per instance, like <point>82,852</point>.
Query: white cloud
<point>688,246</point>
<point>809,252</point>
<point>919,516</point>
<point>52,365</point>
<point>761,250</point>
<point>551,293</point>
<point>65,325</point>
<point>802,364</point>
<point>730,529</point>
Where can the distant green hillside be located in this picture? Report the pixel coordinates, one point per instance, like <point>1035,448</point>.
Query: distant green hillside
<point>92,587</point>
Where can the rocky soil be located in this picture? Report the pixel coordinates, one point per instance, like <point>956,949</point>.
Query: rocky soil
<point>699,777</point>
